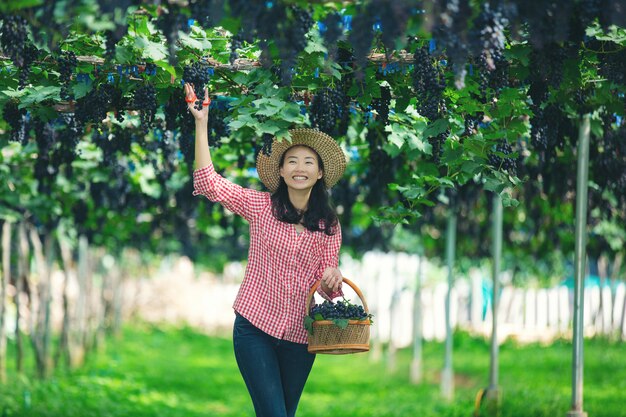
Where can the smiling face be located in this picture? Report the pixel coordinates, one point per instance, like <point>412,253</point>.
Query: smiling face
<point>300,168</point>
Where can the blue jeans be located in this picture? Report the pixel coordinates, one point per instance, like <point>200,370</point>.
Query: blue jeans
<point>274,370</point>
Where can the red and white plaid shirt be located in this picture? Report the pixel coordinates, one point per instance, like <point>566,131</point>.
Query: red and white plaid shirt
<point>282,264</point>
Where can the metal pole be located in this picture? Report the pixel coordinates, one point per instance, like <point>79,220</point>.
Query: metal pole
<point>416,363</point>
<point>447,375</point>
<point>493,394</point>
<point>581,250</point>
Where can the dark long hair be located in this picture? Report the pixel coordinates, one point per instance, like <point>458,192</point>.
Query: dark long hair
<point>320,214</point>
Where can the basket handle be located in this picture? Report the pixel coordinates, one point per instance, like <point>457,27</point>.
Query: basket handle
<point>347,281</point>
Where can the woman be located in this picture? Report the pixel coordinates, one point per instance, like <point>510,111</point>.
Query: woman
<point>294,242</point>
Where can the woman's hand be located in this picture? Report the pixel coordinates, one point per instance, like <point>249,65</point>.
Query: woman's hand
<point>190,98</point>
<point>331,280</point>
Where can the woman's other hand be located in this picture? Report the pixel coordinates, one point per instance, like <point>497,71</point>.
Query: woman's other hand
<point>331,280</point>
<point>190,98</point>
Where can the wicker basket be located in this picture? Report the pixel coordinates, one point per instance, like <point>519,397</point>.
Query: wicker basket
<point>329,338</point>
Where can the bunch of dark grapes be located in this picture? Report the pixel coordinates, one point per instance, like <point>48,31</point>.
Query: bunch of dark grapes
<point>503,163</point>
<point>93,107</point>
<point>68,138</point>
<point>31,53</point>
<point>549,129</point>
<point>451,32</point>
<point>205,11</point>
<point>237,41</point>
<point>173,109</point>
<point>266,145</point>
<point>186,142</point>
<point>546,70</point>
<point>292,40</point>
<point>324,110</point>
<point>13,37</point>
<point>113,141</point>
<point>197,74</point>
<point>346,60</point>
<point>547,21</point>
<point>437,143</point>
<point>362,35</point>
<point>609,161</point>
<point>168,151</point>
<point>488,33</point>
<point>612,64</point>
<point>342,309</point>
<point>46,165</point>
<point>333,23</point>
<point>110,42</point>
<point>15,118</point>
<point>380,167</point>
<point>381,105</point>
<point>102,139</point>
<point>300,24</point>
<point>428,83</point>
<point>493,74</point>
<point>171,22</point>
<point>117,100</point>
<point>45,136</point>
<point>393,17</point>
<point>145,101</point>
<point>472,124</point>
<point>67,65</point>
<point>217,127</point>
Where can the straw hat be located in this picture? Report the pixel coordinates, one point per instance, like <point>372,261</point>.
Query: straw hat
<point>332,156</point>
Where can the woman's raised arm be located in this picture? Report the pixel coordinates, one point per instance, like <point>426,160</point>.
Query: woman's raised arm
<point>203,155</point>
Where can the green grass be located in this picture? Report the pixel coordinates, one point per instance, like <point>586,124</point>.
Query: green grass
<point>178,372</point>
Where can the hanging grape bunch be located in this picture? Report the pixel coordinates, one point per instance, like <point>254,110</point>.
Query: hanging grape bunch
<point>146,102</point>
<point>381,105</point>
<point>14,116</point>
<point>67,65</point>
<point>93,107</point>
<point>428,84</point>
<point>217,126</point>
<point>266,147</point>
<point>503,163</point>
<point>333,31</point>
<point>324,109</point>
<point>13,36</point>
<point>197,74</point>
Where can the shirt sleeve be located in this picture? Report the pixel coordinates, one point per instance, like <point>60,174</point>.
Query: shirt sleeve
<point>245,202</point>
<point>330,259</point>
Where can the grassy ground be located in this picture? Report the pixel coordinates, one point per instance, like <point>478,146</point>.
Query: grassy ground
<point>169,372</point>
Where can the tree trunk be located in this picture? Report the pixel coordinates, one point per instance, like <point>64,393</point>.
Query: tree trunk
<point>40,336</point>
<point>23,271</point>
<point>4,278</point>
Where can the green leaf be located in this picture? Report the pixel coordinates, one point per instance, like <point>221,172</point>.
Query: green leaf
<point>341,323</point>
<point>435,128</point>
<point>291,113</point>
<point>308,324</point>
<point>124,54</point>
<point>152,50</point>
<point>195,43</point>
<point>318,316</point>
<point>167,67</point>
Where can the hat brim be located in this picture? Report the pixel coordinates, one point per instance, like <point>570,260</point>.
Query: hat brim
<point>333,158</point>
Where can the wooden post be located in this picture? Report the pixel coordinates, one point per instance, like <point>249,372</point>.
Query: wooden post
<point>4,279</point>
